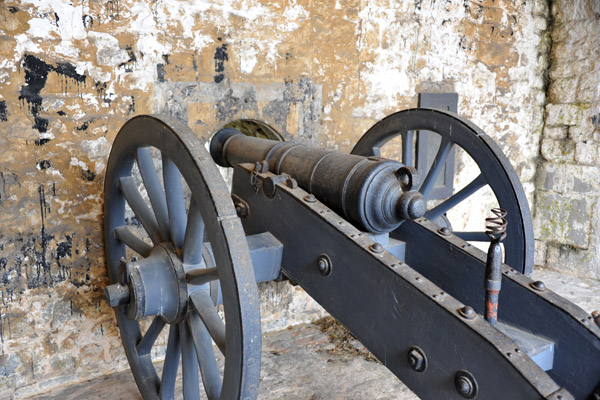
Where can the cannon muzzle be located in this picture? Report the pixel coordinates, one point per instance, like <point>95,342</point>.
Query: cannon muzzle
<point>374,193</point>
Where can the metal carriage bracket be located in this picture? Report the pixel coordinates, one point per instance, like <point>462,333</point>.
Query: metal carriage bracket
<point>393,307</point>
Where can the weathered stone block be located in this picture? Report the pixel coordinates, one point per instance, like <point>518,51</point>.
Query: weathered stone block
<point>569,178</point>
<point>566,68</point>
<point>555,132</point>
<point>586,153</point>
<point>540,7</point>
<point>585,128</point>
<point>571,11</point>
<point>564,219</point>
<point>587,88</point>
<point>573,261</point>
<point>539,257</point>
<point>558,151</point>
<point>564,114</point>
<point>563,90</point>
<point>540,23</point>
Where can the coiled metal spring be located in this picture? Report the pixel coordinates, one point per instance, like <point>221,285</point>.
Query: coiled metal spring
<point>496,226</point>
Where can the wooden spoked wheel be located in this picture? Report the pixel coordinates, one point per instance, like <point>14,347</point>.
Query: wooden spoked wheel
<point>191,255</point>
<point>495,172</point>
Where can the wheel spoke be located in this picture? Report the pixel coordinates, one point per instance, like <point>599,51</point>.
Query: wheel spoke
<point>136,244</point>
<point>189,364</point>
<point>194,236</point>
<point>377,151</point>
<point>154,189</point>
<point>436,168</point>
<point>171,364</point>
<point>145,345</point>
<point>456,198</point>
<point>175,202</point>
<point>200,276</point>
<point>206,356</point>
<point>210,317</point>
<point>407,149</point>
<point>139,208</point>
<point>473,236</point>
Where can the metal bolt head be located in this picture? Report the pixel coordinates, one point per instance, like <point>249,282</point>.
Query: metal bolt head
<point>444,231</point>
<point>467,312</point>
<point>376,248</point>
<point>538,285</point>
<point>324,264</point>
<point>465,384</point>
<point>416,359</point>
<point>241,210</point>
<point>310,198</point>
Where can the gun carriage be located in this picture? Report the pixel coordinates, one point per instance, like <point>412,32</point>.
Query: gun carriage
<point>360,234</point>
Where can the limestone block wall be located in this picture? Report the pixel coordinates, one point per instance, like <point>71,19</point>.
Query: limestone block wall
<point>568,182</point>
<point>73,71</point>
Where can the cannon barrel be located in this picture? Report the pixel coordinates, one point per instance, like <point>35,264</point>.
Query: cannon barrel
<point>374,193</point>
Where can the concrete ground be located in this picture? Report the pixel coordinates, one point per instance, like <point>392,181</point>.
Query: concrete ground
<point>320,361</point>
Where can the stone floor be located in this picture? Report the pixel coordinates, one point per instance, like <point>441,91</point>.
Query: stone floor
<point>319,361</point>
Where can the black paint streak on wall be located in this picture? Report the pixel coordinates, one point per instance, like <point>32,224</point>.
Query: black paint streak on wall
<point>41,276</point>
<point>112,8</point>
<point>41,142</point>
<point>3,116</point>
<point>36,75</point>
<point>3,263</point>
<point>68,71</point>
<point>88,175</point>
<point>41,262</point>
<point>220,57</point>
<point>85,125</point>
<point>131,108</point>
<point>88,21</point>
<point>63,249</point>
<point>44,164</point>
<point>160,72</point>
<point>301,93</point>
<point>133,221</point>
<point>101,90</point>
<point>229,105</point>
<point>128,65</point>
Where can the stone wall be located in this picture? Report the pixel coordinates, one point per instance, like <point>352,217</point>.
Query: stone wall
<point>72,72</point>
<point>568,181</point>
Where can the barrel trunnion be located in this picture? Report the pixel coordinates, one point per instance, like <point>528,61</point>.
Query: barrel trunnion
<point>356,233</point>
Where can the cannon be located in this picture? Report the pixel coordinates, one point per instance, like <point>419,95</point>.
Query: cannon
<point>360,233</point>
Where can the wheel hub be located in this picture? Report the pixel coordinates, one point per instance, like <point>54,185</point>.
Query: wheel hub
<point>153,286</point>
